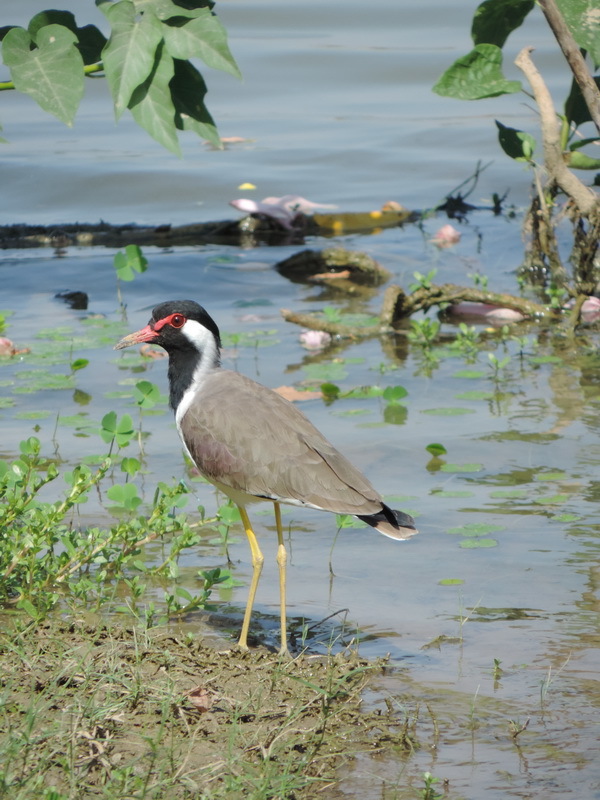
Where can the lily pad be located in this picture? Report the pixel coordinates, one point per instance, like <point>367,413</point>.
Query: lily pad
<point>451,411</point>
<point>470,373</point>
<point>324,373</point>
<point>474,395</point>
<point>550,476</point>
<point>39,379</point>
<point>475,529</point>
<point>472,543</point>
<point>554,499</point>
<point>34,414</point>
<point>509,493</point>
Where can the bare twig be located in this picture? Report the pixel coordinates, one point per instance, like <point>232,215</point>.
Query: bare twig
<point>584,198</point>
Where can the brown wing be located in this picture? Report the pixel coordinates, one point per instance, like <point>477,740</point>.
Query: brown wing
<point>247,437</point>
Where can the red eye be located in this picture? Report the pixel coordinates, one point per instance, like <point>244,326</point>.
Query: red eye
<point>177,321</point>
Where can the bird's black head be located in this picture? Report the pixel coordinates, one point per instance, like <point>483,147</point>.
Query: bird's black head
<point>191,338</point>
<point>177,325</point>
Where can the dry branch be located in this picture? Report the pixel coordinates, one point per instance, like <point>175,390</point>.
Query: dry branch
<point>398,306</point>
<point>584,198</point>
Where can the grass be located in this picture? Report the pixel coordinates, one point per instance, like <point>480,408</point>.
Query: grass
<point>93,710</point>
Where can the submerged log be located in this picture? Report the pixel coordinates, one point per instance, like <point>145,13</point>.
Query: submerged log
<point>249,231</point>
<point>333,263</point>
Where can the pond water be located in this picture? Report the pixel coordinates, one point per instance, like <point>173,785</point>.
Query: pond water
<point>336,106</point>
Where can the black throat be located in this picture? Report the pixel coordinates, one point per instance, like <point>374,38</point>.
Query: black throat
<point>182,366</point>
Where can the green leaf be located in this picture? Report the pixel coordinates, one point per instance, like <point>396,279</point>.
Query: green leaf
<point>393,394</point>
<point>477,74</point>
<point>494,20</point>
<point>124,430</point>
<point>516,144</point>
<point>476,529</point>
<point>577,160</point>
<point>52,17</point>
<point>475,394</point>
<point>146,394</point>
<point>187,93</point>
<point>436,450</point>
<point>576,109</point>
<point>119,430</point>
<point>551,476</point>
<point>129,56</point>
<point>152,106</point>
<point>325,372</point>
<point>125,496</point>
<point>90,40</point>
<point>49,68</point>
<point>581,17</point>
<point>472,543</point>
<point>130,465</point>
<point>203,37</point>
<point>348,521</point>
<point>109,426</point>
<point>26,605</point>
<point>330,391</point>
<point>509,494</point>
<point>555,499</point>
<point>130,262</point>
<point>165,9</point>
<point>470,373</point>
<point>451,581</point>
<point>79,363</point>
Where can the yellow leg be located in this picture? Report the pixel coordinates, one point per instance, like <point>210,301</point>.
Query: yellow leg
<point>257,563</point>
<point>281,562</point>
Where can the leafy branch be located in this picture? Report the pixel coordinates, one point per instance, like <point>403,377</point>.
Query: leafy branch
<point>146,61</point>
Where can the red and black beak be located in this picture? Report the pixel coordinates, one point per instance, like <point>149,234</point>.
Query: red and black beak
<point>147,334</point>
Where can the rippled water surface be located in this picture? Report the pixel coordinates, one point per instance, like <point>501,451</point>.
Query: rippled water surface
<point>336,106</point>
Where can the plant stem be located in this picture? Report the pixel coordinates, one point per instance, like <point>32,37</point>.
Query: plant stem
<point>584,198</point>
<point>571,51</point>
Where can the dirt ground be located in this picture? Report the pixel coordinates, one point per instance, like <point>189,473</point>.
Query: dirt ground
<point>95,710</point>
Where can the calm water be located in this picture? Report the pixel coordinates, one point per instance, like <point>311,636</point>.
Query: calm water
<point>336,106</point>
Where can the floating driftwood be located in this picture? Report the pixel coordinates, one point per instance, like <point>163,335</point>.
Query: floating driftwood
<point>249,231</point>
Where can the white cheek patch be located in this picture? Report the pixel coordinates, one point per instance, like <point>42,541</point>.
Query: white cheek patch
<point>204,341</point>
<point>199,336</point>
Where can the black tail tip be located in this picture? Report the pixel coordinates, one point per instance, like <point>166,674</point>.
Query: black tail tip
<point>403,520</point>
<point>392,523</point>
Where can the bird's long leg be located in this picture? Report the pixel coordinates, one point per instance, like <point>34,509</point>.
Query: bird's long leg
<point>281,562</point>
<point>257,564</point>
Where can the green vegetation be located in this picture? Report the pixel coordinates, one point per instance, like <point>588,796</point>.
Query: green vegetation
<point>146,61</point>
<point>556,190</point>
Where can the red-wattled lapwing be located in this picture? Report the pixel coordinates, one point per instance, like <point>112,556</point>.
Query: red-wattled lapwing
<point>253,444</point>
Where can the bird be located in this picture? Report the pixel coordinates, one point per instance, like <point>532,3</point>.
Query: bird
<point>252,443</point>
